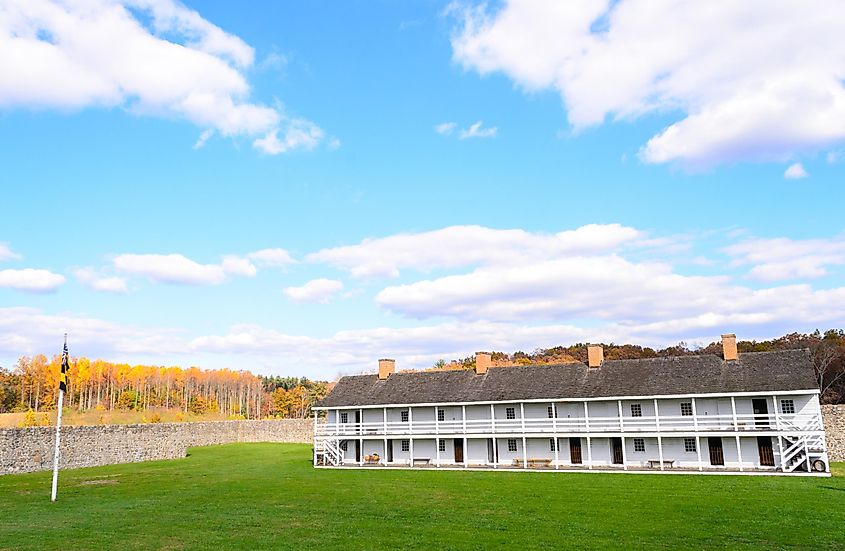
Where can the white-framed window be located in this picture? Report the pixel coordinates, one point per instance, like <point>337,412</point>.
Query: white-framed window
<point>552,444</point>
<point>639,444</point>
<point>344,417</point>
<point>689,445</point>
<point>441,415</point>
<point>404,416</point>
<point>686,408</point>
<point>511,444</point>
<point>636,410</point>
<point>344,445</point>
<point>787,406</point>
<point>406,445</point>
<point>510,413</point>
<point>441,445</point>
<point>552,412</point>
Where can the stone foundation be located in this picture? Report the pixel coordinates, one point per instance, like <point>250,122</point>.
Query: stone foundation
<point>31,449</point>
<point>834,426</point>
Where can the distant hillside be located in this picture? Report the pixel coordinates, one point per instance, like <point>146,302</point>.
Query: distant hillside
<point>827,349</point>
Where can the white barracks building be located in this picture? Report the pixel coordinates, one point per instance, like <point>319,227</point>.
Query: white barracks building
<point>752,413</point>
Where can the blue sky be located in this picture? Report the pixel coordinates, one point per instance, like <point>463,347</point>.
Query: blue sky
<point>424,179</point>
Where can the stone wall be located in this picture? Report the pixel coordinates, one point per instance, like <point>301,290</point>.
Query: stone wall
<point>834,426</point>
<point>31,449</point>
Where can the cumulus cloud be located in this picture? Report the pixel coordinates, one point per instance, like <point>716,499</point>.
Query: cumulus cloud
<point>7,254</point>
<point>93,280</point>
<point>445,128</point>
<point>151,57</point>
<point>177,268</point>
<point>754,80</point>
<point>476,130</point>
<point>795,171</point>
<point>299,134</point>
<point>272,257</point>
<point>783,258</point>
<point>317,290</point>
<point>31,279</point>
<point>457,246</point>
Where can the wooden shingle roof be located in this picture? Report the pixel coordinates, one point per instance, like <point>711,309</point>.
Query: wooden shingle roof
<point>776,371</point>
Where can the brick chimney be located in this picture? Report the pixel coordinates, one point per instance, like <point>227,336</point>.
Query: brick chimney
<point>595,355</point>
<point>483,361</point>
<point>729,347</point>
<point>386,367</point>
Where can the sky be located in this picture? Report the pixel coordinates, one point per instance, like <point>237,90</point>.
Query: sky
<point>303,188</point>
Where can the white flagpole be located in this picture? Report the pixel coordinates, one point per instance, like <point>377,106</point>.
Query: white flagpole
<point>57,453</point>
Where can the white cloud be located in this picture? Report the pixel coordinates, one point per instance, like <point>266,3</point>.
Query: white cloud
<point>457,246</point>
<point>151,57</point>
<point>754,80</point>
<point>272,257</point>
<point>299,134</point>
<point>32,280</point>
<point>317,290</point>
<point>795,171</point>
<point>476,131</point>
<point>91,279</point>
<point>236,265</point>
<point>445,128</point>
<point>7,254</point>
<point>204,137</point>
<point>170,268</point>
<point>783,258</point>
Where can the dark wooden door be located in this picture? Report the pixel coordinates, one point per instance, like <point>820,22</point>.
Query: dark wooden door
<point>760,408</point>
<point>717,454</point>
<point>575,451</point>
<point>357,450</point>
<point>358,421</point>
<point>618,457</point>
<point>459,450</point>
<point>390,451</point>
<point>767,455</point>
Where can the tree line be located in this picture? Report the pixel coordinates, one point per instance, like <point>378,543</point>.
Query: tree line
<point>32,385</point>
<point>827,351</point>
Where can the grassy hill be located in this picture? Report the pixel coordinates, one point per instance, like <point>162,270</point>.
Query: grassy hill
<point>263,496</point>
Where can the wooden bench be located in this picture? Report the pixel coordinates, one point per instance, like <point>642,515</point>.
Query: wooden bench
<point>421,461</point>
<point>652,463</point>
<point>534,462</point>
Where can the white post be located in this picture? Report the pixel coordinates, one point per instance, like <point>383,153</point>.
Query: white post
<point>493,430</point>
<point>733,414</point>
<point>56,454</point>
<point>466,452</point>
<point>659,438</point>
<point>777,426</point>
<point>554,433</point>
<point>524,453</point>
<point>410,420</point>
<point>522,416</point>
<point>384,418</point>
<point>698,451</point>
<point>411,450</point>
<point>589,443</point>
<point>464,416</point>
<point>621,424</point>
<point>739,452</point>
<point>384,459</point>
<point>315,437</point>
<point>437,420</point>
<point>437,444</point>
<point>624,456</point>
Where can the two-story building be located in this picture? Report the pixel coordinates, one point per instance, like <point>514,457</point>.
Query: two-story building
<point>752,412</point>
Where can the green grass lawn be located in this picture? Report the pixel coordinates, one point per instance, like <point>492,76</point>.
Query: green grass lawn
<point>260,496</point>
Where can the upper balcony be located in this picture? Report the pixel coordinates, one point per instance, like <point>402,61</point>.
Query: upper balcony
<point>645,424</point>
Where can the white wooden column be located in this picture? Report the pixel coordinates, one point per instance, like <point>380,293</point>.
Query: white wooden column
<point>410,420</point>
<point>554,433</point>
<point>464,416</point>
<point>524,441</point>
<point>733,414</point>
<point>411,450</point>
<point>437,445</point>
<point>466,452</point>
<point>622,428</point>
<point>437,420</point>
<point>589,442</point>
<point>777,426</point>
<point>659,438</point>
<point>739,452</point>
<point>493,430</point>
<point>360,451</point>
<point>315,437</point>
<point>524,453</point>
<point>697,438</point>
<point>384,459</point>
<point>384,416</point>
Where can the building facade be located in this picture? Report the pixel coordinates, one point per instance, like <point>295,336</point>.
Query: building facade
<point>755,412</point>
